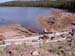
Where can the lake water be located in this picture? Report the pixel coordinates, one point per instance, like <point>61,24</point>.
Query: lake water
<point>27,16</point>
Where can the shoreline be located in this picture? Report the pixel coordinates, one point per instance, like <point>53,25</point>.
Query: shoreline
<point>68,10</point>
<point>62,20</point>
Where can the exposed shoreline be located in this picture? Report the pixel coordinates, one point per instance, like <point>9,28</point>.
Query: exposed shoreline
<point>56,20</point>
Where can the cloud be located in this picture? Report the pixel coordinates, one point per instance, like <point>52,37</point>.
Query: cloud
<point>5,0</point>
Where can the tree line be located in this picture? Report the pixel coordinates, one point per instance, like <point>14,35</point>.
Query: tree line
<point>55,4</point>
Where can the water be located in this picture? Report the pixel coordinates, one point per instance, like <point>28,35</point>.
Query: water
<point>27,16</point>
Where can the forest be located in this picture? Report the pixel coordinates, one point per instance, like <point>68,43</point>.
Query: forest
<point>54,4</point>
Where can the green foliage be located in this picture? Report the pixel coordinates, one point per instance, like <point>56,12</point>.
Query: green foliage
<point>2,51</point>
<point>55,50</point>
<point>56,4</point>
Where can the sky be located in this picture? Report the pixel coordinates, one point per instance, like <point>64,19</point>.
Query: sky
<point>11,0</point>
<point>4,1</point>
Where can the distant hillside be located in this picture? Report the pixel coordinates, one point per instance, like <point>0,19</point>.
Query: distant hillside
<point>55,4</point>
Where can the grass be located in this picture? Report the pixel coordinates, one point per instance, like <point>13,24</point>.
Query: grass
<point>2,51</point>
<point>55,50</point>
<point>48,46</point>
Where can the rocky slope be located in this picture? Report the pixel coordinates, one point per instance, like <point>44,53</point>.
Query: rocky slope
<point>59,20</point>
<point>14,30</point>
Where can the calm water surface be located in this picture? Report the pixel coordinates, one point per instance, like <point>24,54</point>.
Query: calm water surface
<point>27,16</point>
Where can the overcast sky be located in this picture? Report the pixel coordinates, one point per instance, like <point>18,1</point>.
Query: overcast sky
<point>4,0</point>
<point>11,0</point>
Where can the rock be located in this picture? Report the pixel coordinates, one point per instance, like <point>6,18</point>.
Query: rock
<point>14,31</point>
<point>58,21</point>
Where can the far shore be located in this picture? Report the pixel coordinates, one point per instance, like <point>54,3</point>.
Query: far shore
<point>69,5</point>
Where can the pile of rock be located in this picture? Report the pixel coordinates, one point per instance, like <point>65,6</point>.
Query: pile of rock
<point>58,21</point>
